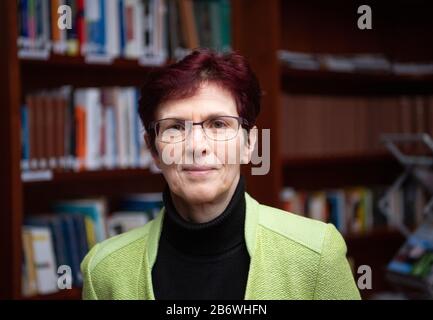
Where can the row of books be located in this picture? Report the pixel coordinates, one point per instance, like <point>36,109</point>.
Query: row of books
<point>64,236</point>
<point>83,129</point>
<point>318,125</point>
<point>411,269</point>
<point>362,63</point>
<point>356,210</point>
<point>101,30</point>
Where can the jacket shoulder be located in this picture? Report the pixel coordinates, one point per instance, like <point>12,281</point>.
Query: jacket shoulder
<point>117,246</point>
<point>304,231</point>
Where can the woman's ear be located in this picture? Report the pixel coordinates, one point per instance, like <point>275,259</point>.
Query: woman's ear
<point>152,149</point>
<point>249,145</point>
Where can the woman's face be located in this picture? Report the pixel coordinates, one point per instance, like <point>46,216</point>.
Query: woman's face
<point>200,169</point>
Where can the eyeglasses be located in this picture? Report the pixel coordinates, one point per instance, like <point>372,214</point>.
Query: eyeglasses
<point>222,128</point>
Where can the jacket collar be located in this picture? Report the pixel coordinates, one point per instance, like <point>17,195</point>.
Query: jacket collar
<point>145,288</point>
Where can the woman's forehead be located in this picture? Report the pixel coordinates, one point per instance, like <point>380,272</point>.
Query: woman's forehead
<point>209,100</point>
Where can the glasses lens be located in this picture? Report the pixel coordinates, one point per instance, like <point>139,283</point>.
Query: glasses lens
<point>221,128</point>
<point>171,130</point>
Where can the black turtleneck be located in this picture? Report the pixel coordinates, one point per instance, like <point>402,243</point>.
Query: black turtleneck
<point>202,260</point>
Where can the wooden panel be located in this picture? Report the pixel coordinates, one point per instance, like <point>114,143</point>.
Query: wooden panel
<point>255,25</point>
<point>340,171</point>
<point>376,250</point>
<point>328,83</point>
<point>331,26</point>
<point>10,187</point>
<point>63,70</point>
<point>39,196</point>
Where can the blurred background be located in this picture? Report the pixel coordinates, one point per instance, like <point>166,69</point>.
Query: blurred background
<point>340,101</point>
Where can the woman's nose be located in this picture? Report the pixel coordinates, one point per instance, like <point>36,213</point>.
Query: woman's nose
<point>197,139</point>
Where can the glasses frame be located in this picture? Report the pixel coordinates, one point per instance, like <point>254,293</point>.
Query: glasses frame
<point>241,122</point>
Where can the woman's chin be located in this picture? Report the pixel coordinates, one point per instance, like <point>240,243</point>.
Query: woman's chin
<point>200,195</point>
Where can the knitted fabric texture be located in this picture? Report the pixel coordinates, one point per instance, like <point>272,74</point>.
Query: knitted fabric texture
<point>292,257</point>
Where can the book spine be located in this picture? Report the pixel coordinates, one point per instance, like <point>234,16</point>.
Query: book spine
<point>25,138</point>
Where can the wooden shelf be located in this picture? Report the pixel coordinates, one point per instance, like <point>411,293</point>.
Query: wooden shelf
<point>379,234</point>
<point>98,176</point>
<point>313,172</point>
<point>65,70</point>
<point>342,158</point>
<point>341,83</point>
<point>111,184</point>
<point>72,294</point>
<point>374,249</point>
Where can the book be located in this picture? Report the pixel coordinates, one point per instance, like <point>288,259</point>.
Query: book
<point>412,266</point>
<point>28,282</point>
<point>123,221</point>
<point>95,209</point>
<point>149,203</point>
<point>149,31</point>
<point>83,129</point>
<point>356,210</point>
<point>43,259</point>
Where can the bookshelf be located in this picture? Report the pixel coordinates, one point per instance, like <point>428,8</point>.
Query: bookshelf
<point>75,71</point>
<point>259,29</point>
<point>330,82</point>
<point>400,33</point>
<point>24,75</point>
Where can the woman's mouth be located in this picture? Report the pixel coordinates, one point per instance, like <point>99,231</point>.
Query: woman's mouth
<point>198,171</point>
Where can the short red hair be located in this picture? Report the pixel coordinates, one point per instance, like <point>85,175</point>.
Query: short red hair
<point>182,79</point>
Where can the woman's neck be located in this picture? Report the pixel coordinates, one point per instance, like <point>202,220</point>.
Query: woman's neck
<point>206,211</point>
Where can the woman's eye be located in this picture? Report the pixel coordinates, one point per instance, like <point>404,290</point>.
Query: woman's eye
<point>218,124</point>
<point>177,126</point>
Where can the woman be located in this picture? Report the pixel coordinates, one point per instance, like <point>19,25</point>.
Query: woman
<point>212,240</point>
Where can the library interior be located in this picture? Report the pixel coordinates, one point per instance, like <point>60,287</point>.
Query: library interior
<point>347,96</point>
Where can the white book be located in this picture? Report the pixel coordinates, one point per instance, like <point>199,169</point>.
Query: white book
<point>112,28</point>
<point>44,259</point>
<point>110,138</point>
<point>133,20</point>
<point>132,123</point>
<point>120,222</point>
<point>138,28</point>
<point>121,129</point>
<point>93,128</point>
<point>317,207</point>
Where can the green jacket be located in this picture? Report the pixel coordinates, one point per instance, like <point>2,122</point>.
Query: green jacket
<point>292,257</point>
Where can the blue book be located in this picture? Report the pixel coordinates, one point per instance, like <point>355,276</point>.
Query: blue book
<point>122,27</point>
<point>25,138</point>
<point>415,257</point>
<point>101,38</point>
<point>54,223</point>
<point>93,15</point>
<point>71,241</point>
<point>81,235</point>
<point>149,203</point>
<point>92,208</point>
<point>23,8</point>
<point>335,201</point>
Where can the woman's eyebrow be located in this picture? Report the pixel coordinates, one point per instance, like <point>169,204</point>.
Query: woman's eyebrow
<point>217,114</point>
<point>208,116</point>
